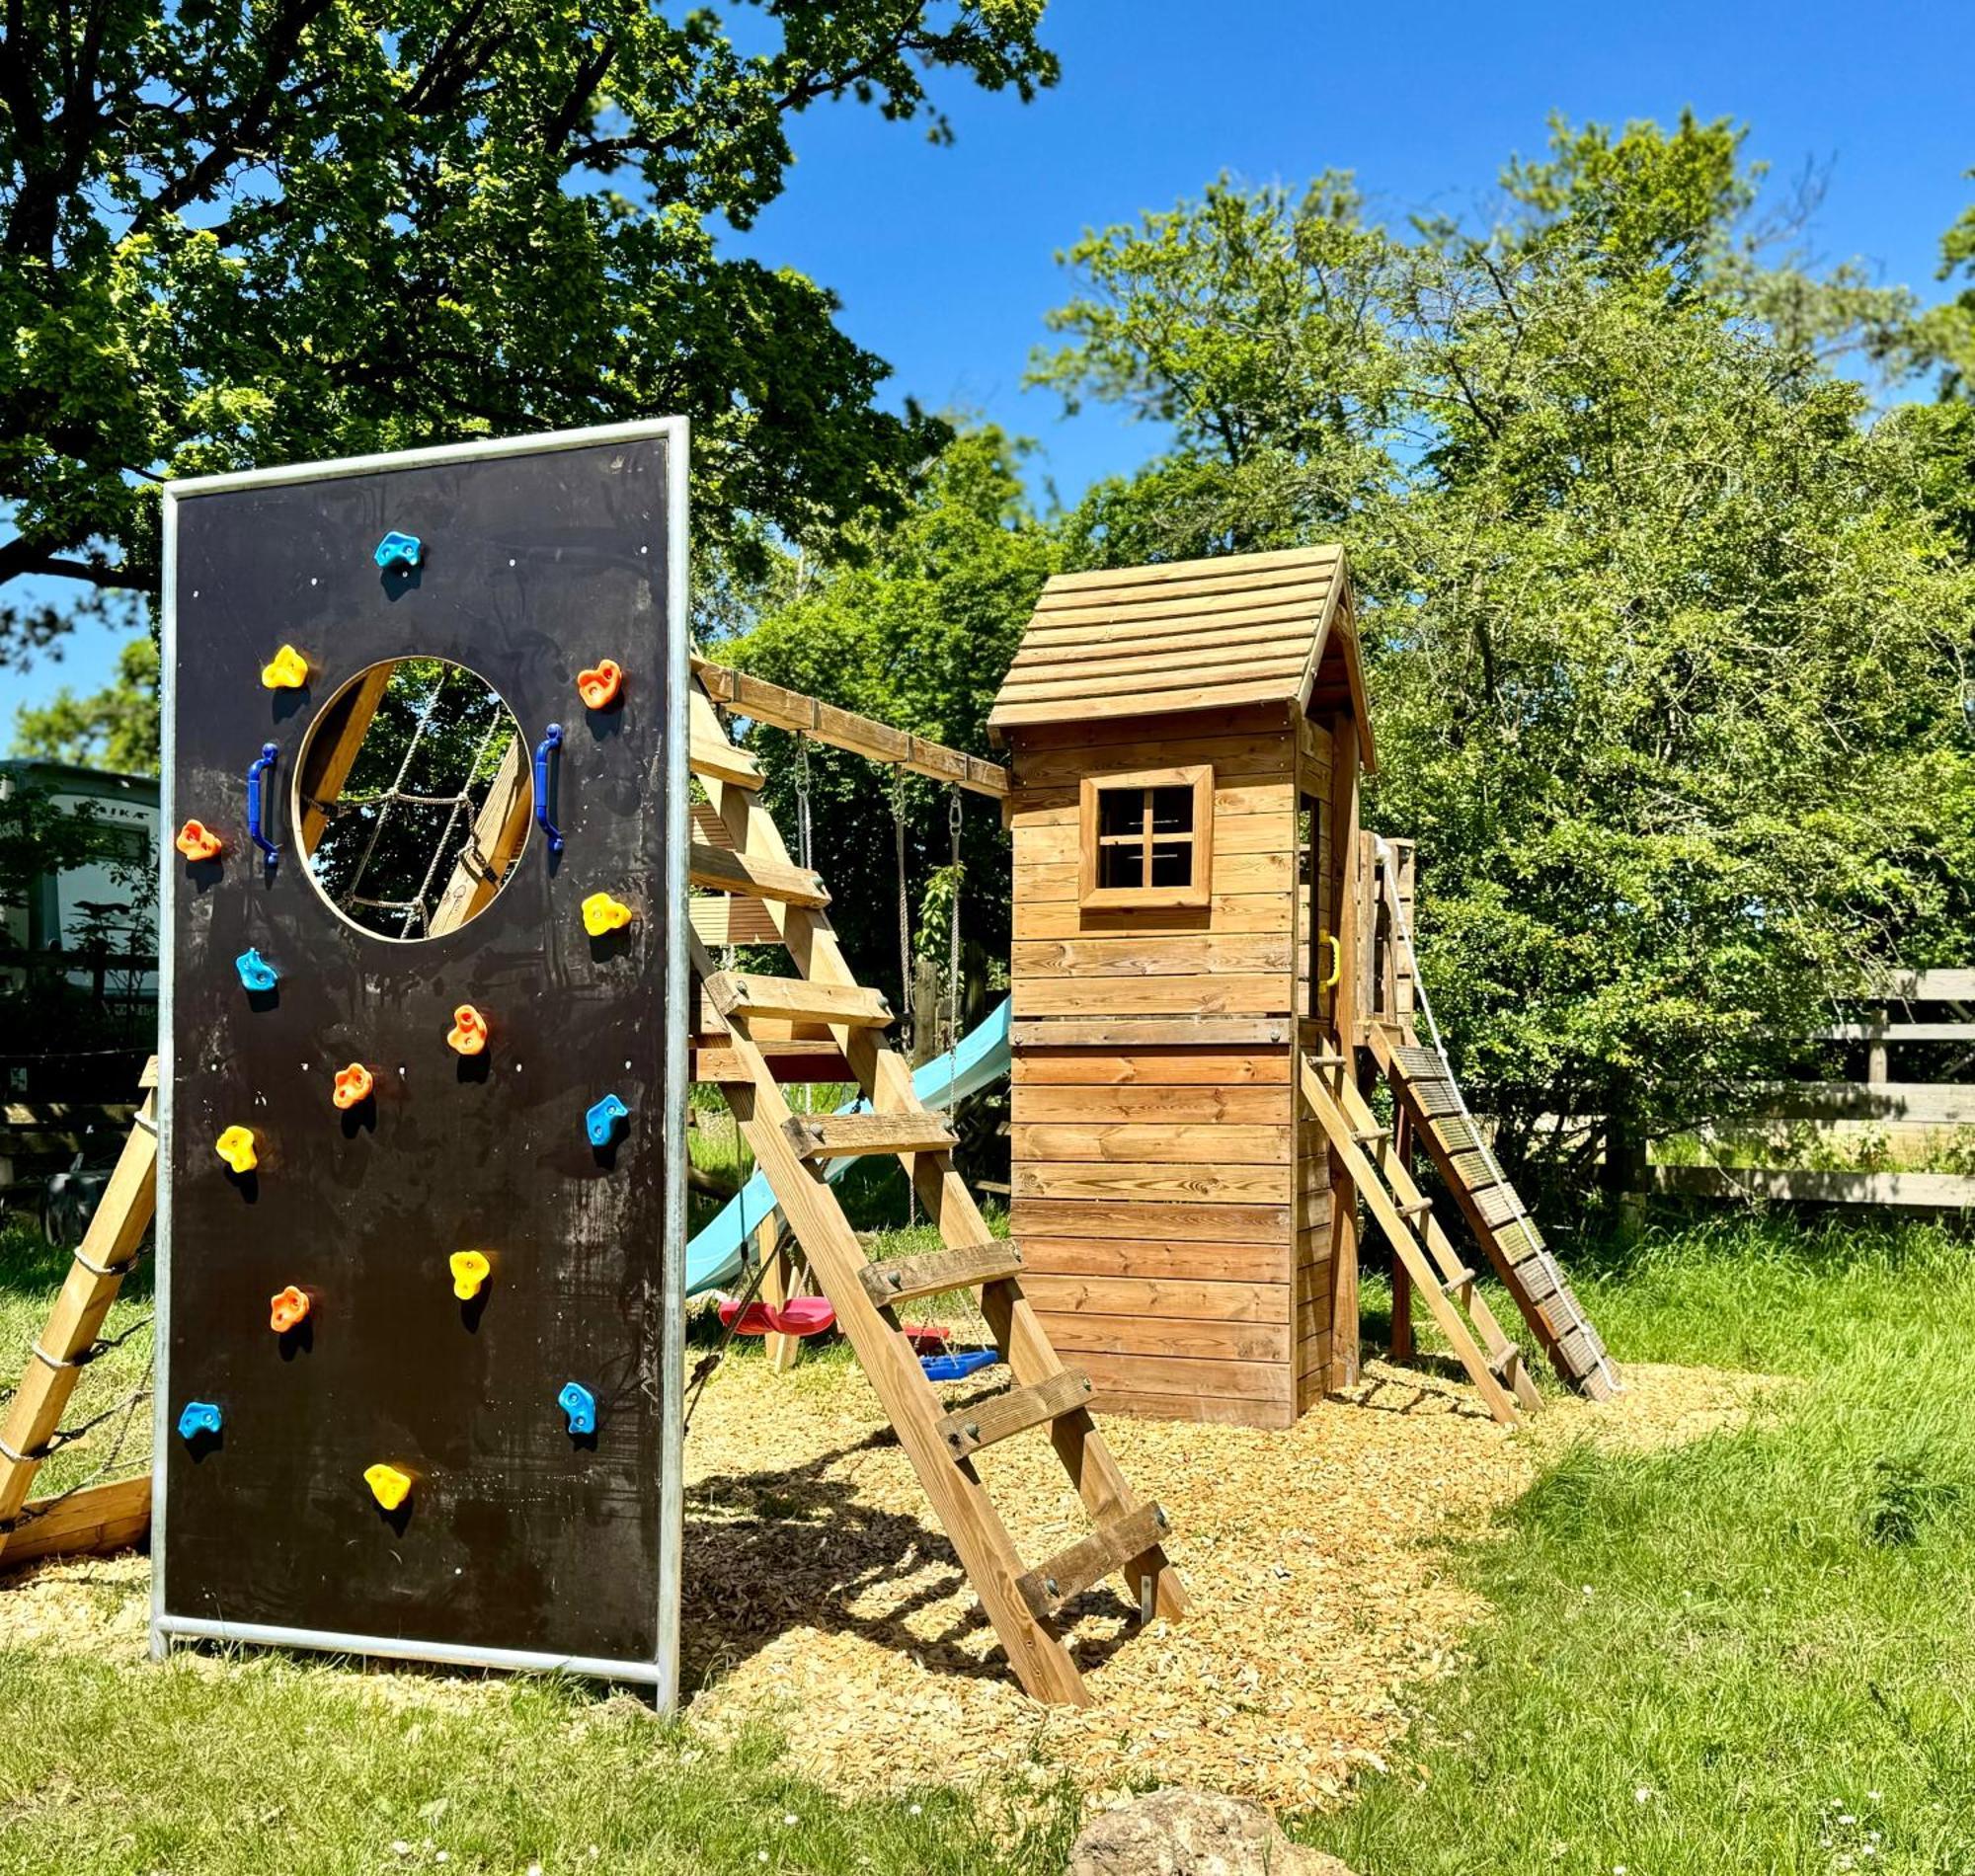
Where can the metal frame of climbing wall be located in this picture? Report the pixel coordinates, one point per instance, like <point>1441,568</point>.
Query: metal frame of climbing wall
<point>526,1546</point>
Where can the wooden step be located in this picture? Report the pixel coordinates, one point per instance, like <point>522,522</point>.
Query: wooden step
<point>968,1429</point>
<point>1068,1574</point>
<point>1459,1281</point>
<point>1415,1209</point>
<point>754,877</point>
<point>1365,1136</point>
<point>903,1279</point>
<point>1505,1360</point>
<point>796,1000</point>
<point>718,760</point>
<point>848,1136</point>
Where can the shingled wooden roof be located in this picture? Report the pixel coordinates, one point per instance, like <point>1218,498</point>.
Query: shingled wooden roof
<point>1186,635</point>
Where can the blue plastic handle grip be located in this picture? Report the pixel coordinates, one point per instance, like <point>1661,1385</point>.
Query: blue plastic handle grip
<point>580,1404</point>
<point>256,823</point>
<point>550,742</point>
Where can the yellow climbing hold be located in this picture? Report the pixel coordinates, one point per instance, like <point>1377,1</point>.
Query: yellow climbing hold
<point>602,913</point>
<point>388,1486</point>
<point>236,1148</point>
<point>288,671</point>
<point>470,1269</point>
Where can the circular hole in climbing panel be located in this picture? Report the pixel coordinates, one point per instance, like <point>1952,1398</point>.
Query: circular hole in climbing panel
<point>411,798</point>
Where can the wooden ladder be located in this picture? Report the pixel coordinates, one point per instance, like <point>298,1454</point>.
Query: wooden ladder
<point>1378,1170</point>
<point>793,1151</point>
<point>1494,1211</point>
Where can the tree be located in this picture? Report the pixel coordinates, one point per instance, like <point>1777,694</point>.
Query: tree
<point>114,727</point>
<point>919,636</point>
<point>1665,646</point>
<point>246,235</point>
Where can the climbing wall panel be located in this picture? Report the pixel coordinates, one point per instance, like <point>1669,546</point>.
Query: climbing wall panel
<point>532,1423</point>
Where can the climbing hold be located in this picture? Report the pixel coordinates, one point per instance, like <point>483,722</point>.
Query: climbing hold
<point>200,1416</point>
<point>600,1122</point>
<point>288,669</point>
<point>602,915</point>
<point>470,1270</point>
<point>580,1404</point>
<point>599,685</point>
<point>236,1148</point>
<point>468,1034</point>
<point>352,1084</point>
<point>399,553</point>
<point>388,1486</point>
<point>198,841</point>
<point>255,973</point>
<point>288,1310</point>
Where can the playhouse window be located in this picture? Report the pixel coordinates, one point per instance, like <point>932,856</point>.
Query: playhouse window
<point>1147,838</point>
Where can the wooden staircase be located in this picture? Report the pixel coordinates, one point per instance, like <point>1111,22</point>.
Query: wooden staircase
<point>1378,1170</point>
<point>1426,1094</point>
<point>792,1151</point>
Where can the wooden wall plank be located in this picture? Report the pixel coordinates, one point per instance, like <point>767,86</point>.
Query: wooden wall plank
<point>1154,1183</point>
<point>1207,1143</point>
<point>1190,1220</point>
<point>1233,873</point>
<point>1152,1067</point>
<point>1178,1374</point>
<point>1242,1104</point>
<point>1137,1296</point>
<point>1228,995</point>
<point>1154,1260</point>
<point>1189,1339</point>
<point>1226,914</point>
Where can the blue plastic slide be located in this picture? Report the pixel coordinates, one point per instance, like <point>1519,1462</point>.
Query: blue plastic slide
<point>713,1258</point>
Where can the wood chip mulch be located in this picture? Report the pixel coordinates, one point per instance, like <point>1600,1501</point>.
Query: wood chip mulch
<point>821,1597</point>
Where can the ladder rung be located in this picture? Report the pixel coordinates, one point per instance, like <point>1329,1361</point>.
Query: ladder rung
<point>1415,1209</point>
<point>903,1279</point>
<point>1504,1362</point>
<point>968,1429</point>
<point>719,870</point>
<point>1363,1136</point>
<point>846,1135</point>
<point>1068,1574</point>
<point>1459,1281</point>
<point>722,762</point>
<point>1326,1060</point>
<point>798,1000</point>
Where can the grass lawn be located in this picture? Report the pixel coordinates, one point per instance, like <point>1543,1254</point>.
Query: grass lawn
<point>1756,1652</point>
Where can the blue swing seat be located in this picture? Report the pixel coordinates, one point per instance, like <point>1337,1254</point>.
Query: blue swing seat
<point>958,1365</point>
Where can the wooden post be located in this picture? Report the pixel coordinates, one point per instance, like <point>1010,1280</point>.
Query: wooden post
<point>777,1286</point>
<point>1346,1016</point>
<point>1401,1341</point>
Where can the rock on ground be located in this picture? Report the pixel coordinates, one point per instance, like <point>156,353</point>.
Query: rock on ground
<point>1181,1833</point>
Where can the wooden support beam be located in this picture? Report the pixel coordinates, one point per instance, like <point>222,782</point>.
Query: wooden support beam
<point>903,1279</point>
<point>968,1429</point>
<point>1068,1574</point>
<point>786,709</point>
<point>111,1515</point>
<point>713,759</point>
<point>853,1135</point>
<point>754,876</point>
<point>796,1000</point>
<point>122,1217</point>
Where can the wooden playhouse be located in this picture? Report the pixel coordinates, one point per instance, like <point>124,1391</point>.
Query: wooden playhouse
<point>1186,744</point>
<point>1205,950</point>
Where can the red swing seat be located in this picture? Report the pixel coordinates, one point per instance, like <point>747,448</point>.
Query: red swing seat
<point>800,1316</point>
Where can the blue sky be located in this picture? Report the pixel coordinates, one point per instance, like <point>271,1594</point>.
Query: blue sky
<point>944,257</point>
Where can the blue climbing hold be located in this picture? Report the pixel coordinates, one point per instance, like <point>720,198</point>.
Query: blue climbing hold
<point>602,1121</point>
<point>200,1416</point>
<point>399,553</point>
<point>959,1366</point>
<point>255,973</point>
<point>580,1404</point>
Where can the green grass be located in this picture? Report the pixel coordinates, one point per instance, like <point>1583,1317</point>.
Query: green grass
<point>1753,1653</point>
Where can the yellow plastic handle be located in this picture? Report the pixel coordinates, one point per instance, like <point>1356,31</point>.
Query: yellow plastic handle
<point>1336,960</point>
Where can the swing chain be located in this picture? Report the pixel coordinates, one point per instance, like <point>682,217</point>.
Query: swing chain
<point>801,799</point>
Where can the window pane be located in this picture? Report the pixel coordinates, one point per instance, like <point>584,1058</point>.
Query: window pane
<point>1121,809</point>
<point>1121,867</point>
<point>1172,809</point>
<point>1172,863</point>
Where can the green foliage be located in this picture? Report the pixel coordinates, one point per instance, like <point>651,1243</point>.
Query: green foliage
<point>920,637</point>
<point>1666,659</point>
<point>239,236</point>
<point>114,727</point>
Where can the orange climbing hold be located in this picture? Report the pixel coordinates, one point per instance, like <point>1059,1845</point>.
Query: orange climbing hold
<point>198,841</point>
<point>288,1310</point>
<point>598,687</point>
<point>352,1084</point>
<point>468,1035</point>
